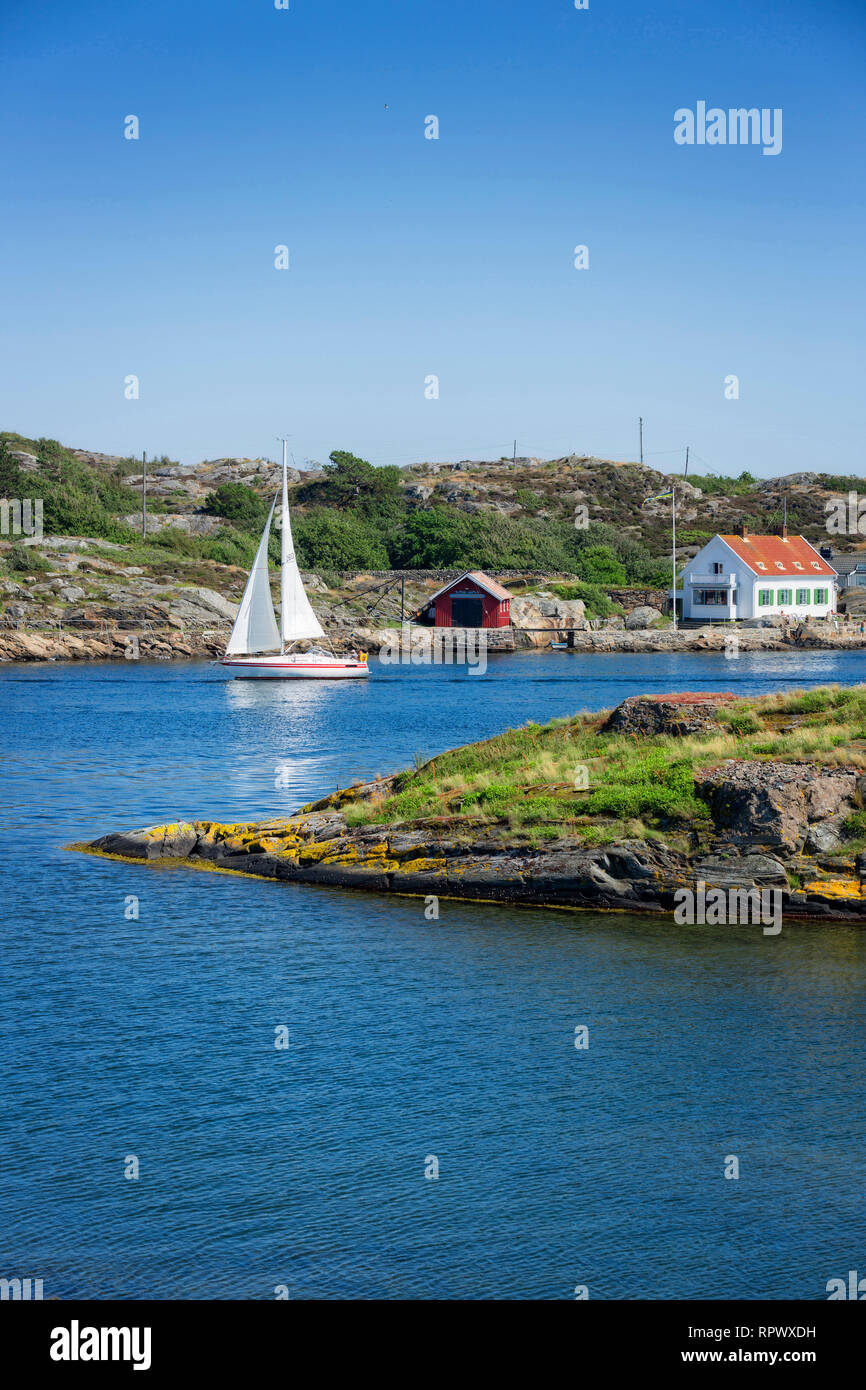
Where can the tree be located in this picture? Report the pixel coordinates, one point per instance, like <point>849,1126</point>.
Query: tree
<point>327,539</point>
<point>238,504</point>
<point>10,473</point>
<point>436,538</point>
<point>351,482</point>
<point>599,565</point>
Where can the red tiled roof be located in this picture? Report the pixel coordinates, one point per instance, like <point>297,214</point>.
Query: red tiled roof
<point>761,554</point>
<point>496,590</point>
<point>489,584</point>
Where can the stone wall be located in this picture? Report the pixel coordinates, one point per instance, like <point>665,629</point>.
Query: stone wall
<point>639,598</point>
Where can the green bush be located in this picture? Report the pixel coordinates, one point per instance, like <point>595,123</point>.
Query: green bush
<point>24,559</point>
<point>743,724</point>
<point>77,500</point>
<point>598,564</point>
<point>238,504</point>
<point>717,484</point>
<point>528,500</point>
<point>327,539</point>
<point>596,602</point>
<point>652,784</point>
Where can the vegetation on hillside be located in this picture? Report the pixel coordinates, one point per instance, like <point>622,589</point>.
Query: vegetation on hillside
<point>357,517</point>
<point>354,516</point>
<point>715,484</point>
<point>76,500</point>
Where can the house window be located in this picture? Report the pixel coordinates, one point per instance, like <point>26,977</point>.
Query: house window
<point>765,598</point>
<point>802,595</point>
<point>717,567</point>
<point>783,596</point>
<point>820,595</point>
<point>712,598</point>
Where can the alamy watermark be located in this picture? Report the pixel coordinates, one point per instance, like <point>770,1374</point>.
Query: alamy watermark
<point>855,1288</point>
<point>729,907</point>
<point>453,646</point>
<point>846,516</point>
<point>21,1290</point>
<point>21,516</point>
<point>736,126</point>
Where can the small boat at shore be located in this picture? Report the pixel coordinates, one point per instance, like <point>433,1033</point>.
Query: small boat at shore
<point>259,648</point>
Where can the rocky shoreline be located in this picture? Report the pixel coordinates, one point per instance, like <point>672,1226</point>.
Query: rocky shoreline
<point>155,638</point>
<point>771,825</point>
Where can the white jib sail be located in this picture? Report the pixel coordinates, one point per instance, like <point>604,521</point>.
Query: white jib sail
<point>297,619</point>
<point>255,628</point>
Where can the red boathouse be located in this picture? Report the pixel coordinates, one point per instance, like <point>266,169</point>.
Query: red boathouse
<point>473,600</point>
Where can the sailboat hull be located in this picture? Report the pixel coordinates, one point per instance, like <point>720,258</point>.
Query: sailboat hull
<point>304,666</point>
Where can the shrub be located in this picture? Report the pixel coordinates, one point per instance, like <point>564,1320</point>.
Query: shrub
<point>598,564</point>
<point>528,500</point>
<point>25,560</point>
<point>238,504</point>
<point>327,539</point>
<point>596,601</point>
<point>743,724</point>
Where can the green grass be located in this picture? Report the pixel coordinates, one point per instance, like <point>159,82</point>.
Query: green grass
<point>523,779</point>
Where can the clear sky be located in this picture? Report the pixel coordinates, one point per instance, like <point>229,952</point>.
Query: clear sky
<point>412,257</point>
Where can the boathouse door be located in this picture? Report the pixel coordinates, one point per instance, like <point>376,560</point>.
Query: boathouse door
<point>467,611</point>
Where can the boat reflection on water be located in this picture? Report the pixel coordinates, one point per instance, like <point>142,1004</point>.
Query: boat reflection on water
<point>293,715</point>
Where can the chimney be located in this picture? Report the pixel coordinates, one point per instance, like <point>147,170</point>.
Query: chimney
<point>743,532</point>
<point>784,530</point>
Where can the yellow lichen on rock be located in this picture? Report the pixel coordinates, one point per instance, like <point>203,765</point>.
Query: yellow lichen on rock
<point>834,887</point>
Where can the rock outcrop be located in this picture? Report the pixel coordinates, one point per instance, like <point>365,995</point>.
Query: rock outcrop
<point>540,617</point>
<point>677,715</point>
<point>642,617</point>
<point>776,806</point>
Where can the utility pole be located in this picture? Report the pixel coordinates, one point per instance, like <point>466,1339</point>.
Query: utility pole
<point>674,551</point>
<point>640,427</point>
<point>674,538</point>
<point>514,455</point>
<point>143,494</point>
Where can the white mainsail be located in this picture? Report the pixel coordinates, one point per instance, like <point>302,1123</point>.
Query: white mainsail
<point>297,619</point>
<point>255,628</point>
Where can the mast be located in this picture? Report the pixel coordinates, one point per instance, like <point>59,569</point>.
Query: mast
<point>284,554</point>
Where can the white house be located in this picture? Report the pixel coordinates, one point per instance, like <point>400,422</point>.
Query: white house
<point>757,576</point>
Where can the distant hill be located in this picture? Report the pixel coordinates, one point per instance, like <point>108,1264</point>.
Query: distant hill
<point>586,516</point>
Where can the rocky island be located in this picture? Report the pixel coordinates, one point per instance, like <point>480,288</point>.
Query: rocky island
<point>608,811</point>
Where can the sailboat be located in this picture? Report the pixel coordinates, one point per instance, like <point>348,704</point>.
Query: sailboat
<point>257,647</point>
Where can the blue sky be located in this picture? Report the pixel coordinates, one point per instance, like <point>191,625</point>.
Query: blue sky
<point>411,257</point>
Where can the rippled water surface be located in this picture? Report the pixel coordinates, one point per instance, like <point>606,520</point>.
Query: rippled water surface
<point>155,1037</point>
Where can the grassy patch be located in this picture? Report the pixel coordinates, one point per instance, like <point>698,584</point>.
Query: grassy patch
<point>532,779</point>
